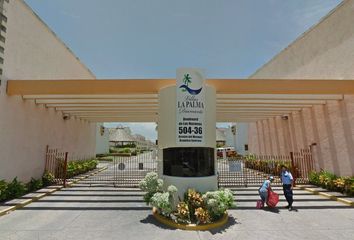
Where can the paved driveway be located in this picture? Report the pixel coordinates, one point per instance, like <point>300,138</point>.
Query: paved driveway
<point>105,212</point>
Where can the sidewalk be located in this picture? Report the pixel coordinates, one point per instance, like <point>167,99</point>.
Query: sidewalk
<point>104,212</point>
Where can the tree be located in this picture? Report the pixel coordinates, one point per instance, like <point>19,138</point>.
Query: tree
<point>187,79</point>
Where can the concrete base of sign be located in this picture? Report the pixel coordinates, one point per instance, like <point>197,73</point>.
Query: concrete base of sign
<point>201,184</point>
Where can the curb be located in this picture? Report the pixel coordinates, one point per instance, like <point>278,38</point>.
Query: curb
<point>18,203</point>
<point>332,197</point>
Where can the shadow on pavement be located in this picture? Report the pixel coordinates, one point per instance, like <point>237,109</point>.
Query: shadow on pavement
<point>272,210</point>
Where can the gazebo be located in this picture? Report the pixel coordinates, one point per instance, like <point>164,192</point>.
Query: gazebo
<point>120,137</point>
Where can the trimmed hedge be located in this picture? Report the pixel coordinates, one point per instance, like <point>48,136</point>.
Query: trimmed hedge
<point>78,167</point>
<point>332,182</point>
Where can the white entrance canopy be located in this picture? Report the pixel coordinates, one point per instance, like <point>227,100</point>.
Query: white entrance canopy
<point>136,100</point>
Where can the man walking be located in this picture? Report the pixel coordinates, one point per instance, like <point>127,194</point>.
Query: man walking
<point>288,182</point>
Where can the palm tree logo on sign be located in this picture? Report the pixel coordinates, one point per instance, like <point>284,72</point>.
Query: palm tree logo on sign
<point>187,79</point>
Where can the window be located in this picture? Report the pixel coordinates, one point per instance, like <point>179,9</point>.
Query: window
<point>246,147</point>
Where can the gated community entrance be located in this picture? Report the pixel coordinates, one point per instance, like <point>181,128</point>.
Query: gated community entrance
<point>136,100</point>
<point>241,171</point>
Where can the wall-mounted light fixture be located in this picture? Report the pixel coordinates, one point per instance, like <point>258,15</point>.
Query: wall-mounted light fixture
<point>102,129</point>
<point>233,129</point>
<point>284,117</point>
<point>66,116</point>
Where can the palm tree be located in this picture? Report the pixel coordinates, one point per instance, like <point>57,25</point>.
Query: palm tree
<point>187,79</point>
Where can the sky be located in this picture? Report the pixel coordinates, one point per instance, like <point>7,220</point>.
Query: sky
<point>151,39</point>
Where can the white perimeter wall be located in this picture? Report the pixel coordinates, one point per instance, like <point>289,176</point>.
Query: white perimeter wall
<point>32,51</point>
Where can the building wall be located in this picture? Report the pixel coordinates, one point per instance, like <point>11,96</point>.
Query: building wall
<point>241,138</point>
<point>230,137</point>
<point>102,141</point>
<point>326,51</point>
<point>32,51</point>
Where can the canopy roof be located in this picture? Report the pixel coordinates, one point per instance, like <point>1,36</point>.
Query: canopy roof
<point>136,100</point>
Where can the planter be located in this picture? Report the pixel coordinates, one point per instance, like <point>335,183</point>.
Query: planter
<point>191,227</point>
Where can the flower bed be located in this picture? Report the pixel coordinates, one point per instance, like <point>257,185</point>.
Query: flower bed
<point>201,227</point>
<point>196,209</point>
<point>331,182</point>
<point>267,166</point>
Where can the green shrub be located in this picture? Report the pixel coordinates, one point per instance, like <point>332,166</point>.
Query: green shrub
<point>113,150</point>
<point>250,157</point>
<point>326,179</point>
<point>151,184</point>
<point>164,202</point>
<point>3,193</point>
<point>161,201</point>
<point>47,178</point>
<point>349,185</point>
<point>126,150</point>
<point>15,189</point>
<point>217,202</point>
<point>34,184</point>
<point>78,167</point>
<point>314,178</point>
<point>269,166</point>
<point>105,158</point>
<point>330,181</point>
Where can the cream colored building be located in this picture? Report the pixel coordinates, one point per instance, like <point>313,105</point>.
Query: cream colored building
<point>326,51</point>
<point>32,51</point>
<point>102,139</point>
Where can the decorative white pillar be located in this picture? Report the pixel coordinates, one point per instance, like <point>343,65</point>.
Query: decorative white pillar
<point>187,157</point>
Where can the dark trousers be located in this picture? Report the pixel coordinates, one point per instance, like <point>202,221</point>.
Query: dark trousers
<point>288,193</point>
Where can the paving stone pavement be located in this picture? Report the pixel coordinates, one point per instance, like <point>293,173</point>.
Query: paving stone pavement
<point>104,212</point>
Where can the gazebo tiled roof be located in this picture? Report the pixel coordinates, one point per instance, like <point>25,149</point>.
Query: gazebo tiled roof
<point>120,135</point>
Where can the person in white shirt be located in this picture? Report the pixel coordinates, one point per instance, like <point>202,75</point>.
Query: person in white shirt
<point>288,183</point>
